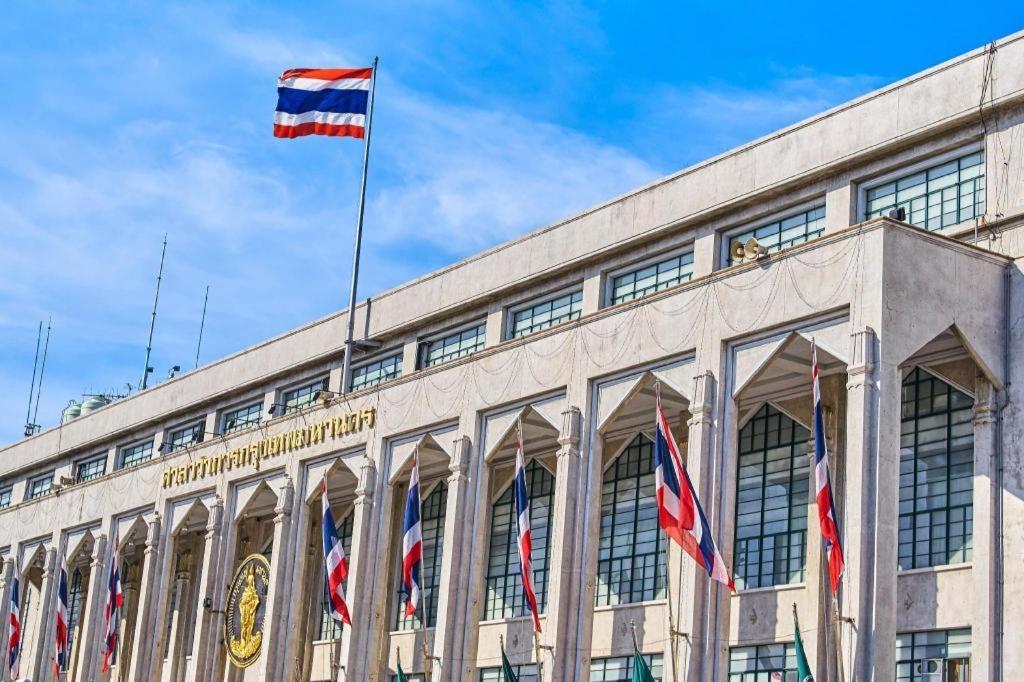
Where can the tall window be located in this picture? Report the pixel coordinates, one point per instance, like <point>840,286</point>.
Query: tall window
<point>937,656</point>
<point>432,519</point>
<point>620,668</point>
<point>524,673</point>
<point>650,278</point>
<point>771,501</point>
<point>133,455</point>
<point>74,613</point>
<point>456,345</point>
<point>937,197</point>
<point>330,628</point>
<point>504,582</point>
<point>5,497</point>
<point>790,231</point>
<point>631,553</point>
<point>242,418</point>
<point>376,372</point>
<point>544,314</point>
<point>185,436</point>
<point>39,486</point>
<point>298,398</point>
<point>757,663</point>
<point>936,473</point>
<point>88,469</point>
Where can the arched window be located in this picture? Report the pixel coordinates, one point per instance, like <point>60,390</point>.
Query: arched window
<point>936,473</point>
<point>504,583</point>
<point>771,500</point>
<point>330,628</point>
<point>631,555</point>
<point>432,519</point>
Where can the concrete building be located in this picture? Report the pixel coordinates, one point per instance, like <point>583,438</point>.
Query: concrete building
<point>570,331</point>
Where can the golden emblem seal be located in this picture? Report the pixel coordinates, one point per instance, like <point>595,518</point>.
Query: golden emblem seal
<point>247,597</point>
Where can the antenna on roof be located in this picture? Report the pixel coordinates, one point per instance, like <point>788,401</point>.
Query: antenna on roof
<point>32,388</point>
<point>42,369</point>
<point>202,322</point>
<point>146,369</point>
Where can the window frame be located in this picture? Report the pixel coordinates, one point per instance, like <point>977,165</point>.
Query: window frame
<point>608,285</point>
<point>510,312</point>
<point>34,479</point>
<point>9,500</point>
<point>729,234</point>
<point>119,461</point>
<point>788,655</point>
<point>222,418</point>
<point>380,357</point>
<point>169,433</point>
<point>84,461</point>
<point>432,560</point>
<point>296,387</point>
<point>423,343</point>
<point>913,645</point>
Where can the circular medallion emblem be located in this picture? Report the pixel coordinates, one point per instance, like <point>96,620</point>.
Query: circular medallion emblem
<point>246,605</point>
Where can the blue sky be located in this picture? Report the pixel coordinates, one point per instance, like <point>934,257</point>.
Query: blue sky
<point>128,120</point>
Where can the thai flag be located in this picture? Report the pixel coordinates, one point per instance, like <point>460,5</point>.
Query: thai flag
<point>112,609</point>
<point>14,641</point>
<point>335,565</point>
<point>679,511</point>
<point>322,102</point>
<point>412,542</point>
<point>826,505</point>
<point>522,498</point>
<point>59,661</point>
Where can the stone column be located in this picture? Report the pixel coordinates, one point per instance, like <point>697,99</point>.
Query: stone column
<point>41,664</point>
<point>126,632</point>
<point>6,582</point>
<point>449,624</point>
<point>175,648</point>
<point>274,626</point>
<point>362,565</point>
<point>984,622</point>
<point>308,597</point>
<point>145,621</point>
<point>92,621</point>
<point>206,638</point>
<point>560,612</point>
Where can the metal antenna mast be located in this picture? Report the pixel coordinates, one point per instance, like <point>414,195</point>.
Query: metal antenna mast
<point>202,322</point>
<point>42,369</point>
<point>32,387</point>
<point>146,369</point>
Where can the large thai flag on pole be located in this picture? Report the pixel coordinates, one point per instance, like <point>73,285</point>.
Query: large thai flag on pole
<point>826,505</point>
<point>412,543</point>
<point>61,619</point>
<point>112,609</point>
<point>522,499</point>
<point>679,511</point>
<point>335,565</point>
<point>14,640</point>
<point>322,102</point>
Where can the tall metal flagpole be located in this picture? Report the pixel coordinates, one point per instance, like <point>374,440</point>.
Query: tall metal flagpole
<point>347,366</point>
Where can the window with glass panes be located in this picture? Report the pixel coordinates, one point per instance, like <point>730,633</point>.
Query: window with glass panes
<point>620,668</point>
<point>795,229</point>
<point>376,372</point>
<point>771,501</point>
<point>411,677</point>
<point>298,398</point>
<point>330,628</point>
<point>631,552</point>
<point>39,486</point>
<point>651,278</point>
<point>937,197</point>
<point>135,454</point>
<point>936,473</point>
<point>759,663</point>
<point>74,612</point>
<point>453,346</point>
<point>936,656</point>
<point>524,673</point>
<point>88,469</point>
<point>185,436</point>
<point>5,497</point>
<point>242,417</point>
<point>432,509</point>
<point>547,314</point>
<point>504,581</point>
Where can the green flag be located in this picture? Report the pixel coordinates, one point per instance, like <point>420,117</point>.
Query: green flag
<point>400,675</point>
<point>641,673</point>
<point>803,669</point>
<point>506,668</point>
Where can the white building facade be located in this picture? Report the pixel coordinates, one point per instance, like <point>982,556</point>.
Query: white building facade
<point>571,331</point>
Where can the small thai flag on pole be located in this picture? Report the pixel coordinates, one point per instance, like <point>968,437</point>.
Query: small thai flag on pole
<point>61,620</point>
<point>335,565</point>
<point>679,510</point>
<point>826,505</point>
<point>14,641</point>
<point>322,102</point>
<point>522,499</point>
<point>412,543</point>
<point>112,609</point>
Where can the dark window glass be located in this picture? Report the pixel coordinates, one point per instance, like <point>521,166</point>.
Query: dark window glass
<point>432,520</point>
<point>301,397</point>
<point>760,663</point>
<point>243,417</point>
<point>946,194</point>
<point>453,346</point>
<point>789,231</point>
<point>88,469</point>
<point>937,656</point>
<point>185,436</point>
<point>620,668</point>
<point>547,314</point>
<point>651,278</point>
<point>330,628</point>
<point>39,486</point>
<point>376,372</point>
<point>136,454</point>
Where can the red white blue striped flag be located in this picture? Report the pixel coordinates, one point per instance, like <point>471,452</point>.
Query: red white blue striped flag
<point>322,102</point>
<point>112,609</point>
<point>335,565</point>
<point>412,543</point>
<point>679,510</point>
<point>826,505</point>
<point>522,499</point>
<point>61,620</point>
<point>14,640</point>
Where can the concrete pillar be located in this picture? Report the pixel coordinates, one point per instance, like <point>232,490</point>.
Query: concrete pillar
<point>144,620</point>
<point>179,621</point>
<point>92,613</point>
<point>449,624</point>
<point>129,613</point>
<point>840,205</point>
<point>41,665</point>
<point>6,582</point>
<point>362,567</point>
<point>300,609</point>
<point>274,625</point>
<point>560,612</point>
<point>206,637</point>
<point>984,621</point>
